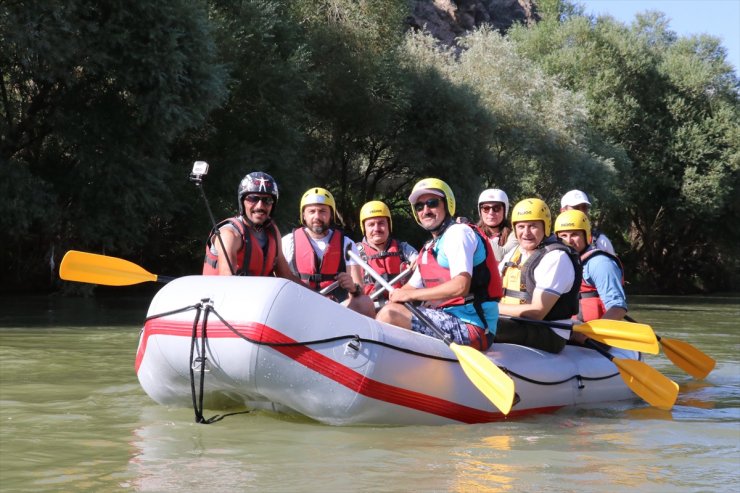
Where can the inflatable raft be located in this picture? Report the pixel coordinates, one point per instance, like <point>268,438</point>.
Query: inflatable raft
<point>228,343</point>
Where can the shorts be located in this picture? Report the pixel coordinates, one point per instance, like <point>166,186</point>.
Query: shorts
<point>458,331</point>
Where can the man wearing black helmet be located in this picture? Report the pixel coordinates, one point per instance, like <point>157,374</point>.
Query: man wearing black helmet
<point>250,243</point>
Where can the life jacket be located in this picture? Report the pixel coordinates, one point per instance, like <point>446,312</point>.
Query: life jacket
<point>261,261</point>
<point>388,263</point>
<point>591,306</point>
<point>317,274</point>
<point>519,283</point>
<point>485,284</point>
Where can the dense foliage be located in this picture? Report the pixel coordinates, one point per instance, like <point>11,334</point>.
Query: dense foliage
<point>105,106</point>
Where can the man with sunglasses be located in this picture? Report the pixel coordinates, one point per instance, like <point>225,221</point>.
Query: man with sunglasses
<point>456,277</point>
<point>249,244</point>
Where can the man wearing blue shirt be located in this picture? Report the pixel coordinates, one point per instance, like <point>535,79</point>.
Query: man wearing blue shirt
<point>602,293</point>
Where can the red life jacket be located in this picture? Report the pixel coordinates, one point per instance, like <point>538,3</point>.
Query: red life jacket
<point>591,307</point>
<point>261,262</point>
<point>317,274</point>
<point>484,286</point>
<point>388,263</point>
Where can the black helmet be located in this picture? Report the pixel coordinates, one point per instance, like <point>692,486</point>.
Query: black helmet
<point>257,182</point>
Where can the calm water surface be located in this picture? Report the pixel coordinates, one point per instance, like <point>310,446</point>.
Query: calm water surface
<point>73,418</point>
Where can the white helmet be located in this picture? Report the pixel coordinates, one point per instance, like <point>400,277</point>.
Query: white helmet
<point>494,195</point>
<point>574,198</point>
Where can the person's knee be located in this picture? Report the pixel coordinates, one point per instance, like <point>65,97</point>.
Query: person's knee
<point>384,314</point>
<point>391,314</point>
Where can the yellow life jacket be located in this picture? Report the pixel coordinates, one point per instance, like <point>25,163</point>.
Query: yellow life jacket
<point>515,289</point>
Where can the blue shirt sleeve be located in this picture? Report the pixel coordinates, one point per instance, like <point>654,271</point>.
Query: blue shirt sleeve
<point>604,273</point>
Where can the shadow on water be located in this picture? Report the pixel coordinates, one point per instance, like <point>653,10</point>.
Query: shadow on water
<point>41,311</point>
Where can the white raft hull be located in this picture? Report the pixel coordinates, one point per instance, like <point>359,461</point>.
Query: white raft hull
<point>284,348</point>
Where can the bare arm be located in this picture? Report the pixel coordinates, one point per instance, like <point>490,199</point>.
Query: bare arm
<point>231,243</point>
<point>457,286</point>
<point>542,303</point>
<point>615,313</point>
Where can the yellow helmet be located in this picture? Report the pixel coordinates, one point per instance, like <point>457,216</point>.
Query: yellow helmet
<point>375,208</point>
<point>318,196</point>
<point>532,210</point>
<point>434,186</point>
<point>574,220</point>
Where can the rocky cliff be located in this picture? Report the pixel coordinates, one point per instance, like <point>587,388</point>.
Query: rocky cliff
<point>449,19</point>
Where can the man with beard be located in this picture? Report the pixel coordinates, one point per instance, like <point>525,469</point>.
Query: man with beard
<point>249,244</point>
<point>456,276</point>
<point>316,253</point>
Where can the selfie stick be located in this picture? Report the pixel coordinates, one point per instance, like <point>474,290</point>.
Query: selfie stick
<point>200,169</point>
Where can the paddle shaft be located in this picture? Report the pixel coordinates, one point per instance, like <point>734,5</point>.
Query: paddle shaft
<point>393,281</point>
<point>389,287</point>
<point>199,185</point>
<point>331,287</point>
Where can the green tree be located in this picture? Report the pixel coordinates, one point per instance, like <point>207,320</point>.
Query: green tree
<point>672,104</point>
<point>92,95</point>
<point>531,136</point>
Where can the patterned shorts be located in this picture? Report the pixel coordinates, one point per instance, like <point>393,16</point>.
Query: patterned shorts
<point>456,329</point>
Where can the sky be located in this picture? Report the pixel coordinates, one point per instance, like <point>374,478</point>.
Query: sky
<point>720,18</point>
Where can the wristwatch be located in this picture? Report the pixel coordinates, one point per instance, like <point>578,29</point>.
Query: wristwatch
<point>356,291</point>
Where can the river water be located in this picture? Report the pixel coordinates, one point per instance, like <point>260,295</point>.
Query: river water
<point>73,418</point>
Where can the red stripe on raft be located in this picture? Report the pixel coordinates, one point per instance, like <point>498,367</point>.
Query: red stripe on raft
<point>330,369</point>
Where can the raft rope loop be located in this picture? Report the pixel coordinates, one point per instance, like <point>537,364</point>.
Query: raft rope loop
<point>200,359</point>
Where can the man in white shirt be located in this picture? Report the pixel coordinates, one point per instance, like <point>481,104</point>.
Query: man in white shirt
<point>316,253</point>
<point>456,276</point>
<point>541,278</point>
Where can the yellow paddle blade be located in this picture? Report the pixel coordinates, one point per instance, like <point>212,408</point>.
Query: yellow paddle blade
<point>621,334</point>
<point>496,385</point>
<point>687,357</point>
<point>647,382</point>
<point>100,269</point>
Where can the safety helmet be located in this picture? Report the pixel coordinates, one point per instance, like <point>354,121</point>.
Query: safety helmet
<point>320,196</point>
<point>494,195</point>
<point>434,186</point>
<point>257,182</point>
<point>574,198</point>
<point>574,220</point>
<point>532,210</point>
<point>375,208</point>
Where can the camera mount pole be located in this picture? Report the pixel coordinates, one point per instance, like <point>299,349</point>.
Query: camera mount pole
<point>200,170</point>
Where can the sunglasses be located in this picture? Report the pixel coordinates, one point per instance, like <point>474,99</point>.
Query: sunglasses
<point>253,199</point>
<point>494,208</point>
<point>431,203</point>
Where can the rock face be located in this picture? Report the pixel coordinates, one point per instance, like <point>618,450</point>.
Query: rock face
<point>449,19</point>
